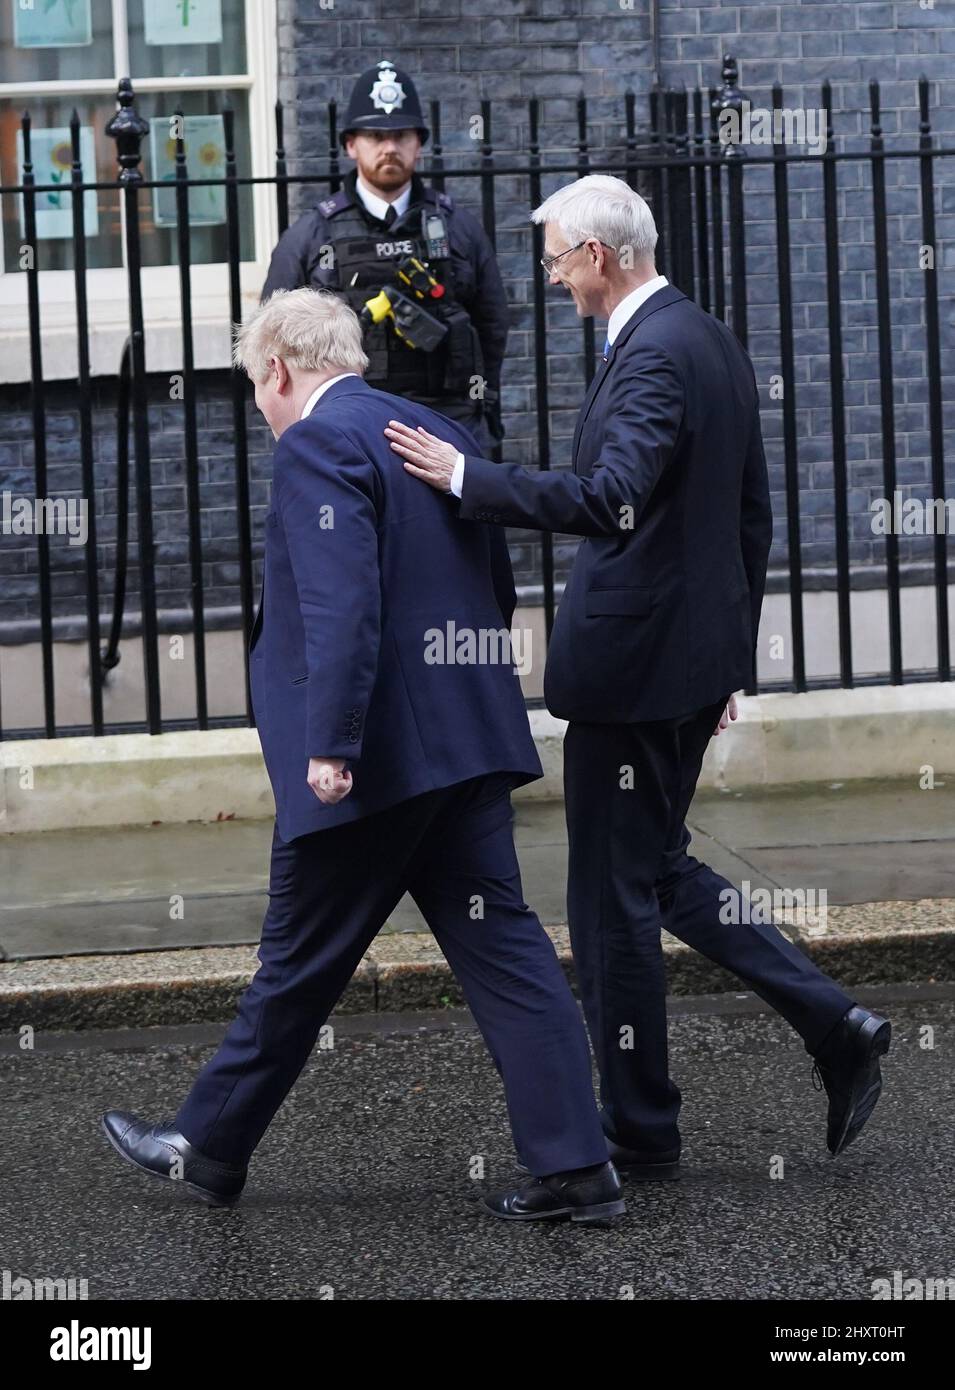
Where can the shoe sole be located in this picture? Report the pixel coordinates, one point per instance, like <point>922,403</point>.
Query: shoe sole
<point>878,1035</point>
<point>211,1199</point>
<point>591,1215</point>
<point>649,1172</point>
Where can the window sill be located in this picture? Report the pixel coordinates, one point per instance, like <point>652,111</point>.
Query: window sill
<point>108,314</point>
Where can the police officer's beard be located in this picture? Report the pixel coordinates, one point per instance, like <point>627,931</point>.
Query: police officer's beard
<point>392,173</point>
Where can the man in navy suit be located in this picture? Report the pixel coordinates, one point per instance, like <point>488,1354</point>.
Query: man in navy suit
<point>656,629</point>
<point>392,771</point>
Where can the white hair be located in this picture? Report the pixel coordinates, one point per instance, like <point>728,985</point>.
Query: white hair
<point>605,208</point>
<point>313,330</point>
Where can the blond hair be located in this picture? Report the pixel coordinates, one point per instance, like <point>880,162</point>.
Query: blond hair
<point>312,330</point>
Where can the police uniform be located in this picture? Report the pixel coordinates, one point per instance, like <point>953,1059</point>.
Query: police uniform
<point>351,242</point>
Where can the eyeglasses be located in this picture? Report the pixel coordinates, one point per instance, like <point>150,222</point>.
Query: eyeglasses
<point>548,262</point>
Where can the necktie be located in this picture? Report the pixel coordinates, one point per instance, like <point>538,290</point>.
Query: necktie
<point>390,216</point>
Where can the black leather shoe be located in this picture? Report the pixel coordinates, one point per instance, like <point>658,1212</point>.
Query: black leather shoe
<point>847,1065</point>
<point>165,1153</point>
<point>639,1167</point>
<point>583,1194</point>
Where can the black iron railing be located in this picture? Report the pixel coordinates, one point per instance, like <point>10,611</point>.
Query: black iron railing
<point>698,184</point>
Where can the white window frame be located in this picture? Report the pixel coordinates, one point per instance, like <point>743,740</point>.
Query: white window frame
<point>107,289</point>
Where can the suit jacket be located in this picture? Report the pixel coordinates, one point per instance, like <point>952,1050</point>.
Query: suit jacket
<point>365,568</point>
<point>670,491</point>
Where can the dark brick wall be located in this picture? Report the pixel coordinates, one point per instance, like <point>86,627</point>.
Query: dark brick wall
<point>19,603</point>
<point>799,45</point>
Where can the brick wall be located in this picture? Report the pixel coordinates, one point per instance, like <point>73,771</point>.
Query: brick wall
<point>19,605</point>
<point>799,45</point>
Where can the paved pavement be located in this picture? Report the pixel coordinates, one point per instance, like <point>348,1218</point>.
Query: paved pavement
<point>362,1183</point>
<point>104,891</point>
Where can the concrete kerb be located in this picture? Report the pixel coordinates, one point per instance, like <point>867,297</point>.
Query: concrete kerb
<point>779,740</point>
<point>865,944</point>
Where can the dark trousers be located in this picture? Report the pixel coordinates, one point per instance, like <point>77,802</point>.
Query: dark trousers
<point>329,895</point>
<point>628,789</point>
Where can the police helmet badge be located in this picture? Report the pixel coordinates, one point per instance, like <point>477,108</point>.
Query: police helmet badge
<point>387,93</point>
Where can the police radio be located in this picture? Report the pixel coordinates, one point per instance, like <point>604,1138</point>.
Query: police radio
<point>434,232</point>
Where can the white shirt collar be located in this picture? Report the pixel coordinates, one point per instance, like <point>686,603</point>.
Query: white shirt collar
<point>377,205</point>
<point>319,391</point>
<point>628,306</point>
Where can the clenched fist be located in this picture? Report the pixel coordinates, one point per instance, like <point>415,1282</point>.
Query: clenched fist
<point>329,780</point>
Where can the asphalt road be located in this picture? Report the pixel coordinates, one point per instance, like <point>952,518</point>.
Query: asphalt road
<point>362,1188</point>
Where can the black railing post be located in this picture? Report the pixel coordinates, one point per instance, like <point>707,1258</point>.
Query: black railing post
<point>193,499</point>
<point>128,128</point>
<point>110,656</point>
<point>666,207</point>
<point>38,409</point>
<point>437,149</point>
<point>932,345</point>
<point>681,199</point>
<point>583,168</point>
<point>487,175</point>
<point>837,398</point>
<point>488,208</point>
<point>716,209</point>
<point>699,189</point>
<point>334,149</point>
<point>86,424</point>
<point>239,385</point>
<point>729,99</point>
<point>540,352</point>
<point>281,169</point>
<point>886,384</point>
<point>788,371</point>
<point>630,120</point>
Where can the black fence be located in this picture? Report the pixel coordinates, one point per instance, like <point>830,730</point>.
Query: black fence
<point>698,181</point>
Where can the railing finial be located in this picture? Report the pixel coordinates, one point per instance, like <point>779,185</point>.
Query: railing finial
<point>127,127</point>
<point>729,98</point>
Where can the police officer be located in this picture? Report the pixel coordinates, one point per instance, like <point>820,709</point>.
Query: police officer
<point>438,331</point>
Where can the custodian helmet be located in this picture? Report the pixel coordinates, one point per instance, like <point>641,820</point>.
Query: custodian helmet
<point>384,98</point>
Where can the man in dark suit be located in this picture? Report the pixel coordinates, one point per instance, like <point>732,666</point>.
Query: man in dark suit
<point>392,770</point>
<point>656,630</point>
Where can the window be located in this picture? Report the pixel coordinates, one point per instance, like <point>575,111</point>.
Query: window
<point>195,55</point>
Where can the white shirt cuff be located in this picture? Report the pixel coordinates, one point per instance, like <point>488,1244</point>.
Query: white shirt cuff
<point>457,477</point>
